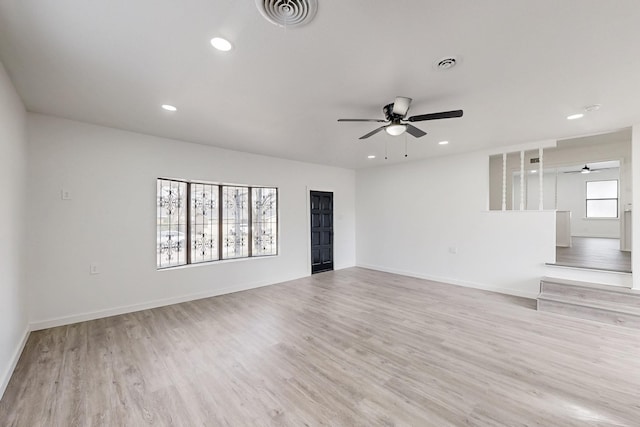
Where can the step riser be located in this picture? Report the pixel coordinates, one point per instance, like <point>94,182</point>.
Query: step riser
<point>585,294</point>
<point>589,313</point>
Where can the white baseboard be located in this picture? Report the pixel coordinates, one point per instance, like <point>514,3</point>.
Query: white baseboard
<point>456,282</point>
<point>6,375</point>
<point>83,317</point>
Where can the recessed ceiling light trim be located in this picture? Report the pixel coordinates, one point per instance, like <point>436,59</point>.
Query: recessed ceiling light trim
<point>575,116</point>
<point>371,156</point>
<point>169,107</point>
<point>443,142</point>
<point>221,44</point>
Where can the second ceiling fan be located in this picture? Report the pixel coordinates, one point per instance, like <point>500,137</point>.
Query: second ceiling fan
<point>398,122</point>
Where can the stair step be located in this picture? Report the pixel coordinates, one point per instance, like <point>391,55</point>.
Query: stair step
<point>589,292</point>
<point>599,305</point>
<point>613,317</point>
<point>605,303</point>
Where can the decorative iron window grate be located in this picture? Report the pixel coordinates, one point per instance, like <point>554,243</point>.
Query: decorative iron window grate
<point>264,220</point>
<point>224,222</point>
<point>172,223</point>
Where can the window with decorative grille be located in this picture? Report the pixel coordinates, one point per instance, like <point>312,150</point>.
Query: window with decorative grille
<point>224,222</point>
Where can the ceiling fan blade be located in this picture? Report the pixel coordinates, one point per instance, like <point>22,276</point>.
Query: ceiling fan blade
<point>362,120</point>
<point>436,116</point>
<point>372,132</point>
<point>401,106</point>
<point>415,131</point>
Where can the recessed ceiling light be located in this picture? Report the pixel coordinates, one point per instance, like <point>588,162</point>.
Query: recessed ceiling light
<point>534,171</point>
<point>575,116</point>
<point>371,156</point>
<point>443,142</point>
<point>221,44</point>
<point>169,107</point>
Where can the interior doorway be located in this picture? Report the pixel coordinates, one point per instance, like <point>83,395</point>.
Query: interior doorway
<point>321,231</point>
<point>587,182</point>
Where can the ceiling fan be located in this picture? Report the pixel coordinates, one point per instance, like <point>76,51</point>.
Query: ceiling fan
<point>586,169</point>
<point>398,122</point>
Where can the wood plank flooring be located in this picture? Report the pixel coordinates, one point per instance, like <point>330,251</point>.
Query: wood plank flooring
<point>353,347</point>
<point>596,253</point>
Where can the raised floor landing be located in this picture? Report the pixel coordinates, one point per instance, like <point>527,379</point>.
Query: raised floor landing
<point>594,253</point>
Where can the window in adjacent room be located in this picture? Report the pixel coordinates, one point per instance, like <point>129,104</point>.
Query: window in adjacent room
<point>602,199</point>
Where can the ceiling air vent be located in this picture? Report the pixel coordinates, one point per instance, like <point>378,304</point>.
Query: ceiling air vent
<point>288,13</point>
<point>446,63</point>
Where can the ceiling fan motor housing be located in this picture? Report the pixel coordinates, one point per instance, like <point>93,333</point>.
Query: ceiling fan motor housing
<point>389,114</point>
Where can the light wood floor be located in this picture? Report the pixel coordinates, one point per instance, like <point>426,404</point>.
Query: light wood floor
<point>594,252</point>
<point>348,348</point>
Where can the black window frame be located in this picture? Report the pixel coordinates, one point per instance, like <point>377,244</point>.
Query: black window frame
<point>219,240</point>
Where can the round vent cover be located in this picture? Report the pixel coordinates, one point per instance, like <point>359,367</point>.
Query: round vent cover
<point>447,63</point>
<point>288,13</point>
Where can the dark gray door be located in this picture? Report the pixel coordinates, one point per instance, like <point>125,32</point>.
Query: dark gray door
<point>321,231</point>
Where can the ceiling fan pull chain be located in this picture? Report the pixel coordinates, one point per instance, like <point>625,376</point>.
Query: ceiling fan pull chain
<point>386,144</point>
<point>405,146</point>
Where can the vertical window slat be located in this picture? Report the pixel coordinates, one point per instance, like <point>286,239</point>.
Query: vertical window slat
<point>171,223</point>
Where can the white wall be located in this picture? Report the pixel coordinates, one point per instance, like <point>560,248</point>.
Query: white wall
<point>110,219</point>
<point>13,307</point>
<point>412,216</point>
<point>635,226</point>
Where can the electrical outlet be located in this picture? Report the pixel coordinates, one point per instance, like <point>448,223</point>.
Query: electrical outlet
<point>94,268</point>
<point>65,194</point>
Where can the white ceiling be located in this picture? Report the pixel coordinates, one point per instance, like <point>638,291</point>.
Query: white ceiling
<point>525,66</point>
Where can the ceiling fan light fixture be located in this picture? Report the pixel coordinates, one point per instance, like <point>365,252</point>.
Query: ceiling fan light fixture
<point>585,169</point>
<point>396,129</point>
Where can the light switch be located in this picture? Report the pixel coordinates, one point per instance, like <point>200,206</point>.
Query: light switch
<point>94,268</point>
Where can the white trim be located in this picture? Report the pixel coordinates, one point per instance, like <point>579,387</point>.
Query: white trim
<point>455,282</point>
<point>83,317</point>
<point>6,375</point>
<point>529,146</point>
<point>99,314</point>
<point>604,277</point>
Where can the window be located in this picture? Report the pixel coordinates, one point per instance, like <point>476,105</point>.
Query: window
<point>602,199</point>
<point>204,222</point>
<point>264,222</point>
<point>224,222</point>
<point>172,223</point>
<point>235,222</point>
